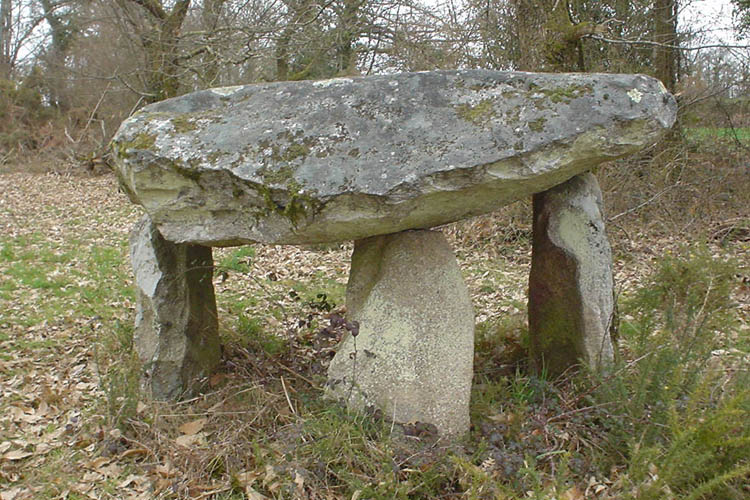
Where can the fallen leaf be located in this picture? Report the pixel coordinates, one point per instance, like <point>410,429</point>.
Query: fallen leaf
<point>189,440</point>
<point>251,494</point>
<point>128,481</point>
<point>193,427</point>
<point>98,462</point>
<point>111,470</point>
<point>166,470</point>
<point>17,455</point>
<point>270,475</point>
<point>12,493</point>
<point>133,452</point>
<point>572,494</point>
<point>299,481</point>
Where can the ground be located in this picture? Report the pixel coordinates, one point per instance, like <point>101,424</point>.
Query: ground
<point>72,423</point>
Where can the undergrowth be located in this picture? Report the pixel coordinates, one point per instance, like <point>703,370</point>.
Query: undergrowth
<point>671,420</point>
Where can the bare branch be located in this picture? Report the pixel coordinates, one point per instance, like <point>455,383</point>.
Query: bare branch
<point>651,43</point>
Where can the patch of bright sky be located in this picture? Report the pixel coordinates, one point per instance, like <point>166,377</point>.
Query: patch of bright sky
<point>711,18</point>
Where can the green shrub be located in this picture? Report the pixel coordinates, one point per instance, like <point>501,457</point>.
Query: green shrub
<point>684,422</point>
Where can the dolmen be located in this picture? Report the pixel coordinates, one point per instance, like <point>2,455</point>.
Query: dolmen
<point>380,160</point>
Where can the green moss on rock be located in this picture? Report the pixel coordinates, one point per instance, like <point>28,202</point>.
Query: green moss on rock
<point>297,206</point>
<point>538,124</point>
<point>478,114</point>
<point>183,124</point>
<point>566,94</point>
<point>190,172</point>
<point>295,151</point>
<point>276,176</point>
<point>142,141</point>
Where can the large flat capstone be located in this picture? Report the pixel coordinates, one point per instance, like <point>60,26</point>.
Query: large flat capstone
<point>306,162</point>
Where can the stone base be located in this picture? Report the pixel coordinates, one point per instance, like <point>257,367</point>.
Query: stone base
<point>413,355</point>
<point>176,326</point>
<point>571,291</point>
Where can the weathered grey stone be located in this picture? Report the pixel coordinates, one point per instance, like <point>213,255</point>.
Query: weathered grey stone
<point>571,300</point>
<point>306,162</point>
<point>176,326</point>
<point>415,347</point>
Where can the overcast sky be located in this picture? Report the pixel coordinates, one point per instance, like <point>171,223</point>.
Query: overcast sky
<point>713,16</point>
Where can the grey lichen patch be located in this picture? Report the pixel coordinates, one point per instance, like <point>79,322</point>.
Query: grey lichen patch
<point>480,86</point>
<point>635,95</point>
<point>214,156</point>
<point>513,115</point>
<point>365,110</point>
<point>226,91</point>
<point>478,114</point>
<point>297,147</point>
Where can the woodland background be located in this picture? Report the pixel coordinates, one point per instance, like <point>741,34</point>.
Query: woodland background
<point>72,70</point>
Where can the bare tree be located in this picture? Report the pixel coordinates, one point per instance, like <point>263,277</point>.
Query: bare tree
<point>21,35</point>
<point>159,42</point>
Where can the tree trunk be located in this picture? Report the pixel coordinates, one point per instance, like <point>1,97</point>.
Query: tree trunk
<point>281,53</point>
<point>62,34</point>
<point>665,32</point>
<point>162,59</point>
<point>347,32</point>
<point>6,37</point>
<point>210,19</point>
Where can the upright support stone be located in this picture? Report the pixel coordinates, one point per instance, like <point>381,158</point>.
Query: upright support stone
<point>413,355</point>
<point>571,294</point>
<point>176,326</point>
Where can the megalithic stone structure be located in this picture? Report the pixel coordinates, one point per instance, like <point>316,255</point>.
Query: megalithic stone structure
<point>176,324</point>
<point>571,290</point>
<point>416,322</point>
<point>352,159</point>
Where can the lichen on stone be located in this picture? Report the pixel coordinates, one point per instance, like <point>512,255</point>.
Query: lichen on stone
<point>141,141</point>
<point>566,94</point>
<point>294,151</point>
<point>478,114</point>
<point>189,172</point>
<point>292,203</point>
<point>183,124</point>
<point>538,124</point>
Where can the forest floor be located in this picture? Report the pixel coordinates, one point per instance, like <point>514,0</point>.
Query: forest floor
<point>74,425</point>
